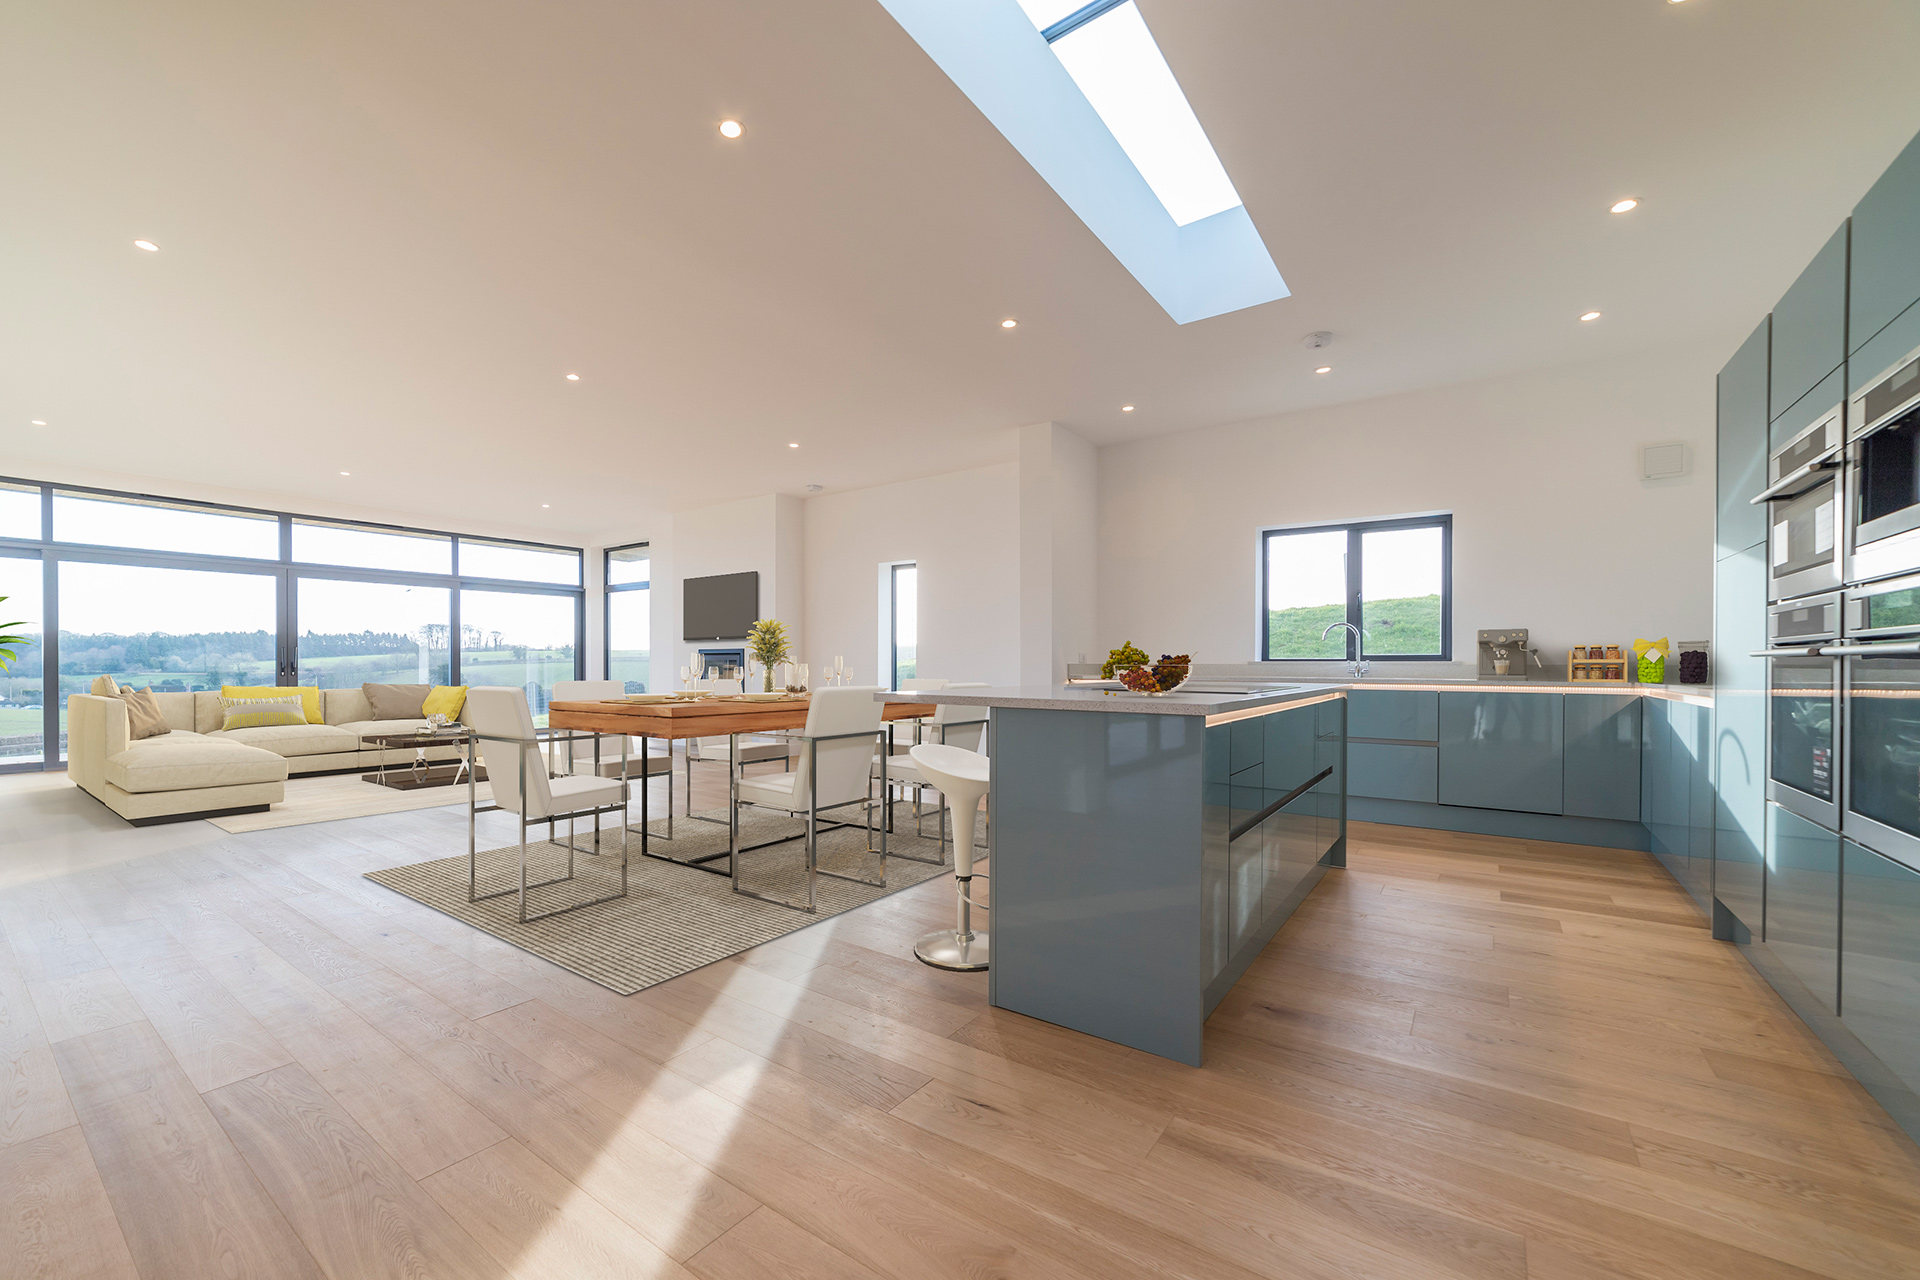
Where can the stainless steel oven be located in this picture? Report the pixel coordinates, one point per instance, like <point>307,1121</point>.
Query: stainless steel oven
<point>1803,708</point>
<point>1804,496</point>
<point>1881,685</point>
<point>1883,526</point>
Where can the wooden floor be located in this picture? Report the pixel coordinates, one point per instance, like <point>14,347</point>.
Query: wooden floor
<point>1464,1057</point>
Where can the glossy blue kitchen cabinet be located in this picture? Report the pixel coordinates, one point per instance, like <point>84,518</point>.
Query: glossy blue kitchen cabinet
<point>1885,274</point>
<point>1394,771</point>
<point>1803,902</point>
<point>1810,328</point>
<point>1880,960</point>
<point>1676,794</point>
<point>1740,732</point>
<point>1740,444</point>
<point>1502,750</point>
<point>1886,351</point>
<point>1403,715</point>
<point>1810,408</point>
<point>1601,762</point>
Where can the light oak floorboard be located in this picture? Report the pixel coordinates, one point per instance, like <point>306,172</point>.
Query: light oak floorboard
<point>55,1222</point>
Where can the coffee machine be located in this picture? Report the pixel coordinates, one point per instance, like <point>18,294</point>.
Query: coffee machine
<point>1504,654</point>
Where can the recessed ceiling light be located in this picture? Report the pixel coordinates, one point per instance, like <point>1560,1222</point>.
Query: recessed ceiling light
<point>39,422</point>
<point>1126,408</point>
<point>148,245</point>
<point>794,445</point>
<point>546,506</point>
<point>1629,204</point>
<point>1590,315</point>
<point>1325,368</point>
<point>1008,324</point>
<point>730,128</point>
<point>573,377</point>
<point>346,473</point>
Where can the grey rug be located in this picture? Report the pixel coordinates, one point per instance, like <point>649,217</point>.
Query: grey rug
<point>674,919</point>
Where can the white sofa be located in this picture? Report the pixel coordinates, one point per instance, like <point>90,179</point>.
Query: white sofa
<point>199,770</point>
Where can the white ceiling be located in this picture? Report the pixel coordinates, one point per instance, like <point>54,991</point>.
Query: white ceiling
<point>387,231</point>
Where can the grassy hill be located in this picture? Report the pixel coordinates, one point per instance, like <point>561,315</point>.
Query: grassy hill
<point>1407,625</point>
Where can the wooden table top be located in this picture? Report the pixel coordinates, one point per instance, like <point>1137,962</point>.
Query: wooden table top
<point>707,718</point>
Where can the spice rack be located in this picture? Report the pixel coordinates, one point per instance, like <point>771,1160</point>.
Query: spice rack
<point>1597,664</point>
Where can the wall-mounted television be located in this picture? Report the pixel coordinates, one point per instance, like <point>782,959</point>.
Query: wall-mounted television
<point>723,607</point>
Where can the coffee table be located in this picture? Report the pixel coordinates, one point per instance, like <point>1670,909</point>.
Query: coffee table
<point>421,773</point>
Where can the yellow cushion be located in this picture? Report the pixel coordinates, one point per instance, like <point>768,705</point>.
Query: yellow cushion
<point>309,696</point>
<point>445,699</point>
<point>258,713</point>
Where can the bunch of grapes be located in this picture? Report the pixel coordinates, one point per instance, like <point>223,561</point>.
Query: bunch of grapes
<point>1171,670</point>
<point>1140,680</point>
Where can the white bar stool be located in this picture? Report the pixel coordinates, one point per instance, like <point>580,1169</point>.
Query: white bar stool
<point>960,776</point>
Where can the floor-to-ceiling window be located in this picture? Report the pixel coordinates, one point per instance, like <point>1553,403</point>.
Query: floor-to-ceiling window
<point>630,616</point>
<point>190,596</point>
<point>23,677</point>
<point>906,623</point>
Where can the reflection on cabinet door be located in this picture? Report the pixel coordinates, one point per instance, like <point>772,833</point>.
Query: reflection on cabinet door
<point>1602,762</point>
<point>1880,965</point>
<point>1803,902</point>
<point>1739,732</point>
<point>1502,750</point>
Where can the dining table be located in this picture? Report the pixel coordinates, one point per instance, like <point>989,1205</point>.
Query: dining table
<point>713,716</point>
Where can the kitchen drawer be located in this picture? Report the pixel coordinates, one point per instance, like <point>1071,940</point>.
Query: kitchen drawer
<point>1390,771</point>
<point>1404,715</point>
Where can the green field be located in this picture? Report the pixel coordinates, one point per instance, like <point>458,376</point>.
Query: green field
<point>1407,625</point>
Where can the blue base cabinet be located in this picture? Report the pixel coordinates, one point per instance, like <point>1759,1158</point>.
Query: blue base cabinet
<point>1880,961</point>
<point>1740,733</point>
<point>1676,794</point>
<point>1600,769</point>
<point>1502,750</point>
<point>1803,902</point>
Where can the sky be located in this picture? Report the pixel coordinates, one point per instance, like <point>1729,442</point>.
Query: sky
<point>1311,568</point>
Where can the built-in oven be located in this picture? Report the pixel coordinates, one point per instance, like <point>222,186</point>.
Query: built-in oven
<point>1881,685</point>
<point>1883,528</point>
<point>1805,486</point>
<point>1803,707</point>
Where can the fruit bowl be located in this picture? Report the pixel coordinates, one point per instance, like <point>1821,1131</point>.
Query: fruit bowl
<point>1160,679</point>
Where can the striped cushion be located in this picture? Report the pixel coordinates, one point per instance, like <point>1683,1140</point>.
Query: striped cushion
<point>257,713</point>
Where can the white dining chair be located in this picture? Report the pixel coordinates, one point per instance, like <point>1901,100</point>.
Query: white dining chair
<point>954,725</point>
<point>836,754</point>
<point>502,727</point>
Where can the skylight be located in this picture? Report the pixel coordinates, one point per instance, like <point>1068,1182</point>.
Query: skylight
<point>1106,47</point>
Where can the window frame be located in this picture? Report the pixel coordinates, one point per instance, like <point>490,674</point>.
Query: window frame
<point>609,588</point>
<point>1355,529</point>
<point>893,621</point>
<point>284,569</point>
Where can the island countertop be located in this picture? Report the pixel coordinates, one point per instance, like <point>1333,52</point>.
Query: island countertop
<point>1211,699</point>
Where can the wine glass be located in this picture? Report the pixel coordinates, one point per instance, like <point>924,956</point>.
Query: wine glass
<point>800,676</point>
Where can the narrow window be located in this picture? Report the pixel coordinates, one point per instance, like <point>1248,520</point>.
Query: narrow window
<point>906,626</point>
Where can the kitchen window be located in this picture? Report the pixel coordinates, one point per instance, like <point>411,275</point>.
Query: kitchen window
<point>1391,580</point>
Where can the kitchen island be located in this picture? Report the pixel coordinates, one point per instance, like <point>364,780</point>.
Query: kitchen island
<point>1144,850</point>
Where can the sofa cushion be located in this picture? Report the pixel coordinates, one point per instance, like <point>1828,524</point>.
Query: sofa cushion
<point>178,710</point>
<point>309,695</point>
<point>261,713</point>
<point>293,739</point>
<point>396,701</point>
<point>447,700</point>
<point>104,687</point>
<point>345,706</point>
<point>181,761</point>
<point>144,719</point>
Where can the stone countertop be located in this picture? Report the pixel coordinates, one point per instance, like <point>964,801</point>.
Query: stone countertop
<point>1216,697</point>
<point>1222,697</point>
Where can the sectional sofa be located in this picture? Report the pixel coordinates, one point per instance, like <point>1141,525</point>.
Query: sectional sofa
<point>199,770</point>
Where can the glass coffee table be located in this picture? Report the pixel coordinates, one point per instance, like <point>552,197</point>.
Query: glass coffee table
<point>421,772</point>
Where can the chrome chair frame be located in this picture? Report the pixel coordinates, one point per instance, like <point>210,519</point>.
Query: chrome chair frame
<point>474,810</point>
<point>812,836</point>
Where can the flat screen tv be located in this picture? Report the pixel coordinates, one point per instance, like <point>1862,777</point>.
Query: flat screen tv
<point>723,607</point>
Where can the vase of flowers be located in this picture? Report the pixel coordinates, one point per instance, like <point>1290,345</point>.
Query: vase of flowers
<point>770,645</point>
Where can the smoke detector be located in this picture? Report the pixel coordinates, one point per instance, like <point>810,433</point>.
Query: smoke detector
<point>814,488</point>
<point>1317,339</point>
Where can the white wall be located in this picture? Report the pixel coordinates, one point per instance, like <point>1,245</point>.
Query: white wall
<point>1553,528</point>
<point>962,530</point>
<point>1059,551</point>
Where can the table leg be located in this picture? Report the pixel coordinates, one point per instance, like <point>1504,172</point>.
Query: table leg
<point>733,808</point>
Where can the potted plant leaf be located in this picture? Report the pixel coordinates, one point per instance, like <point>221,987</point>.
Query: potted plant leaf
<point>10,644</point>
<point>769,644</point>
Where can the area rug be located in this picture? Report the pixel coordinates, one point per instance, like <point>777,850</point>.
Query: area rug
<point>674,919</point>
<point>343,795</point>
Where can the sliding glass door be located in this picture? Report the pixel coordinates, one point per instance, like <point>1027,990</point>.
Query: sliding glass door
<point>23,735</point>
<point>520,639</point>
<point>354,633</point>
